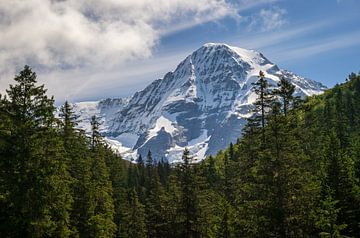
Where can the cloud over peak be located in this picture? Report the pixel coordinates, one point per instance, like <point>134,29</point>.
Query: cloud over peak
<point>268,19</point>
<point>76,33</point>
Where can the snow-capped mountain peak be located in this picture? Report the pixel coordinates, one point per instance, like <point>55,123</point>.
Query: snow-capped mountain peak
<point>202,105</point>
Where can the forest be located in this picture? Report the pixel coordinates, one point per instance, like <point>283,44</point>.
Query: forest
<point>294,172</point>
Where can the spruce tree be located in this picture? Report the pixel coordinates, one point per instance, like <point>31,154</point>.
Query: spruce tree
<point>263,101</point>
<point>101,205</point>
<point>343,185</point>
<point>140,169</point>
<point>79,164</point>
<point>155,222</point>
<point>134,220</point>
<point>38,179</point>
<point>163,169</point>
<point>118,178</point>
<point>285,91</point>
<point>95,132</point>
<point>69,120</point>
<point>210,172</point>
<point>189,201</point>
<point>5,167</point>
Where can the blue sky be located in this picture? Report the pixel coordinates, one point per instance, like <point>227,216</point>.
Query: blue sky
<point>316,39</point>
<point>89,49</point>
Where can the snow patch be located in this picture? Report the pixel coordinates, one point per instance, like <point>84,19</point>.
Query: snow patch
<point>117,146</point>
<point>162,122</point>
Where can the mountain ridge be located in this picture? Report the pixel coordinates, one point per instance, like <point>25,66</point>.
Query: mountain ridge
<point>202,105</point>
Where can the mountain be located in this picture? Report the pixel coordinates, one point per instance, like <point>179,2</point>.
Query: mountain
<point>202,105</point>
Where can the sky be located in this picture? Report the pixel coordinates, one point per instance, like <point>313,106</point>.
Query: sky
<point>86,50</point>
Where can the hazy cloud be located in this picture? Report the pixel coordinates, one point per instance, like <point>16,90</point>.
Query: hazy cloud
<point>74,33</point>
<point>268,19</point>
<point>73,43</point>
<point>324,45</point>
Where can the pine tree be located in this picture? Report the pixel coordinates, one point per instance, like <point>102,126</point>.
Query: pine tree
<point>95,132</point>
<point>117,176</point>
<point>139,177</point>
<point>343,184</point>
<point>163,169</point>
<point>5,167</point>
<point>327,217</point>
<point>149,160</point>
<point>225,226</point>
<point>277,186</point>
<point>101,204</point>
<point>210,172</point>
<point>232,152</point>
<point>140,169</point>
<point>155,222</point>
<point>134,221</point>
<point>150,171</point>
<point>189,201</point>
<point>76,149</point>
<point>341,119</point>
<point>285,91</point>
<point>227,178</point>
<point>263,101</point>
<point>171,203</point>
<point>38,179</point>
<point>69,120</point>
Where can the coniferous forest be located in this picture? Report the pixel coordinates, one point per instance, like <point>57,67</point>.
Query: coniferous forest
<point>294,172</point>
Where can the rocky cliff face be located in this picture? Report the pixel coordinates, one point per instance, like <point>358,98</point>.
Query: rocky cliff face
<point>202,105</point>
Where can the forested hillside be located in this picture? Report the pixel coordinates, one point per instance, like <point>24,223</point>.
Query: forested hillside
<point>293,173</point>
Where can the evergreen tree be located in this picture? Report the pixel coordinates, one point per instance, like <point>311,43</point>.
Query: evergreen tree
<point>140,168</point>
<point>37,180</point>
<point>344,187</point>
<point>232,152</point>
<point>210,172</point>
<point>154,210</point>
<point>302,181</point>
<point>225,226</point>
<point>69,120</point>
<point>285,91</point>
<point>150,171</point>
<point>79,164</point>
<point>5,167</point>
<point>95,132</point>
<point>101,210</point>
<point>163,169</point>
<point>189,201</point>
<point>134,220</point>
<point>226,184</point>
<point>171,202</point>
<point>327,218</point>
<point>118,178</point>
<point>263,101</point>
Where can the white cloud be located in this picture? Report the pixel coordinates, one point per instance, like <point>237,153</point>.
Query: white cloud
<point>317,47</point>
<point>274,39</point>
<point>121,81</point>
<point>74,33</point>
<point>268,19</point>
<point>89,48</point>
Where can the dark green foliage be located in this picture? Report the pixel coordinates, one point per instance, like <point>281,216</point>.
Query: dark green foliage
<point>188,210</point>
<point>294,173</point>
<point>285,92</point>
<point>134,218</point>
<point>95,133</point>
<point>262,103</point>
<point>35,189</point>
